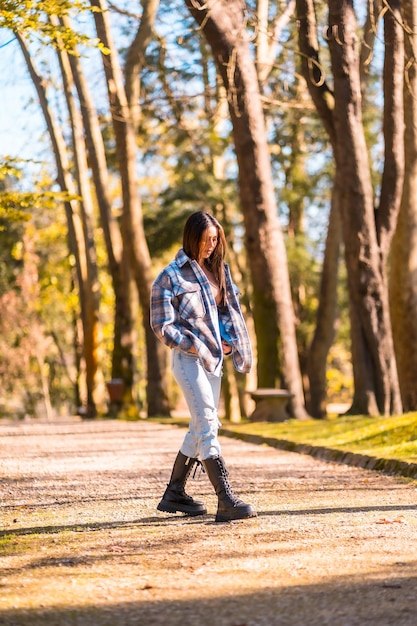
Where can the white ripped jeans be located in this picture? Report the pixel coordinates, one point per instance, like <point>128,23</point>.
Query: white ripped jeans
<point>201,391</point>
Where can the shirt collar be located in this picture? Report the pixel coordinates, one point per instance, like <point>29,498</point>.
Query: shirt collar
<point>181,258</point>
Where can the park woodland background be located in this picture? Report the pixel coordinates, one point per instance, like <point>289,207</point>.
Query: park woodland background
<point>294,122</point>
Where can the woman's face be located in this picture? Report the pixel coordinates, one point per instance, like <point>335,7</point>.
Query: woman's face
<point>208,242</point>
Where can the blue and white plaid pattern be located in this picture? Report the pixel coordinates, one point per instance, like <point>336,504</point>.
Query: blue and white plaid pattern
<point>184,314</point>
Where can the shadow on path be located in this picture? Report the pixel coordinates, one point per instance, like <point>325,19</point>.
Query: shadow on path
<point>382,603</point>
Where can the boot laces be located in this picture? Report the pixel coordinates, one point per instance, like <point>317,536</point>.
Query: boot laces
<point>198,467</point>
<point>226,485</point>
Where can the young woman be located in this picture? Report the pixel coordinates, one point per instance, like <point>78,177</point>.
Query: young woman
<point>195,312</point>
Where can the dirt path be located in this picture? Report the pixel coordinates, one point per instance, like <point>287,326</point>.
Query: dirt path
<point>81,543</point>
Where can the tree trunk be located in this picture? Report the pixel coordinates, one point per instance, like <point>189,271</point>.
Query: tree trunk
<point>266,45</point>
<point>224,27</point>
<point>370,30</point>
<point>135,57</point>
<point>366,240</point>
<point>93,337</point>
<point>124,338</point>
<point>403,284</point>
<point>76,236</point>
<point>327,311</point>
<point>132,223</point>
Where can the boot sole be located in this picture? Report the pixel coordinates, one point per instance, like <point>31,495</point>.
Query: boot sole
<point>166,507</point>
<point>223,517</point>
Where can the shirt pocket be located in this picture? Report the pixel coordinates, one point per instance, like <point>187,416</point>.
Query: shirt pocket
<point>190,301</point>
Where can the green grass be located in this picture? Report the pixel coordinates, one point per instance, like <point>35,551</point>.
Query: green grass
<point>387,437</point>
<point>9,543</point>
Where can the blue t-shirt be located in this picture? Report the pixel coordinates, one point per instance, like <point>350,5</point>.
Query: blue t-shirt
<point>223,333</point>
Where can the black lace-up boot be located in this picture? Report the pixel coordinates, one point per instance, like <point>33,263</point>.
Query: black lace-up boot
<point>229,506</point>
<point>175,499</point>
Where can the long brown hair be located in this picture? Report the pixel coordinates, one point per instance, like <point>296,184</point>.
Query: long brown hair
<point>194,229</point>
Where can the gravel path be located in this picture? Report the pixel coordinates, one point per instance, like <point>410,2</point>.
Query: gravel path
<point>81,542</point>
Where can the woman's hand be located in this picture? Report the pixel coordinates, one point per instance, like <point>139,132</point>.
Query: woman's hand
<point>227,348</point>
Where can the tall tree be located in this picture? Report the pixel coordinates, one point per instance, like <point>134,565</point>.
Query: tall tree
<point>403,284</point>
<point>81,174</point>
<point>367,233</point>
<point>326,321</point>
<point>223,24</point>
<point>132,219</point>
<point>135,58</point>
<point>77,236</point>
<point>268,38</point>
<point>296,132</point>
<point>328,309</point>
<point>124,339</point>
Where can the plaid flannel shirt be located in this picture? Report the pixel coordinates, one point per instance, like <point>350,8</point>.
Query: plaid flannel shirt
<point>184,314</point>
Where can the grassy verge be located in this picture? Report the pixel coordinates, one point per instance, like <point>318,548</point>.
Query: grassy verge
<point>386,437</point>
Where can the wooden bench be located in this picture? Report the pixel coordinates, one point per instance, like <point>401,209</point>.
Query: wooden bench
<point>271,405</point>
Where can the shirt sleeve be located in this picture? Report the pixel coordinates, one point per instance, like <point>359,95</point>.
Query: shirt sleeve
<point>163,316</point>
